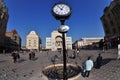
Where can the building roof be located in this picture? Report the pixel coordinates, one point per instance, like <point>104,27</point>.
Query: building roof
<point>33,34</point>
<point>12,32</point>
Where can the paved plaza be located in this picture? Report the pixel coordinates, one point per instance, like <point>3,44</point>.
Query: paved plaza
<point>32,69</point>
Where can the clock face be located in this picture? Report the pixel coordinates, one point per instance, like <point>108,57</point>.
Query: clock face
<point>61,9</point>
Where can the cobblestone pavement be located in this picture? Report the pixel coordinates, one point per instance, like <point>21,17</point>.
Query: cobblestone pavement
<point>32,70</point>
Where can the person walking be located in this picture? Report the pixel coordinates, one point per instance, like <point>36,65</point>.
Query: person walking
<point>33,55</point>
<point>14,56</point>
<point>77,52</point>
<point>18,57</point>
<point>73,55</point>
<point>30,55</point>
<point>88,65</point>
<point>98,61</point>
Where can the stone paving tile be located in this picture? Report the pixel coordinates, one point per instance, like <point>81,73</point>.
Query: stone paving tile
<point>32,70</point>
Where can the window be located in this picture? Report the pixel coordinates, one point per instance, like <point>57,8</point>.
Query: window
<point>114,30</point>
<point>116,10</point>
<point>105,25</point>
<point>119,29</point>
<point>111,22</point>
<point>109,16</point>
<point>107,31</point>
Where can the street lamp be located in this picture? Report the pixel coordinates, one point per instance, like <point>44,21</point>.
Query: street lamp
<point>64,29</point>
<point>62,11</point>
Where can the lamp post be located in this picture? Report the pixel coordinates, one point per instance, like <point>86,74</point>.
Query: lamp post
<point>63,29</point>
<point>62,11</point>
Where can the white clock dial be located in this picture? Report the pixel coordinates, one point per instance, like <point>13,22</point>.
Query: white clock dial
<point>61,9</point>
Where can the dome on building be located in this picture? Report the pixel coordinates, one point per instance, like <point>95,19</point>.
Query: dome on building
<point>33,32</point>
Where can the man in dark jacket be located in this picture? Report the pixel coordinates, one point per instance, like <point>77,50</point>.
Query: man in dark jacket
<point>14,57</point>
<point>98,61</point>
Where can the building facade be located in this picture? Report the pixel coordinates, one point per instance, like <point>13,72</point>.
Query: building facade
<point>55,41</point>
<point>78,44</point>
<point>3,24</point>
<point>12,41</point>
<point>33,41</point>
<point>111,23</point>
<point>83,42</point>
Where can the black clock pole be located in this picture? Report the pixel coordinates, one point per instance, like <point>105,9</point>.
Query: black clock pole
<point>62,14</point>
<point>64,53</point>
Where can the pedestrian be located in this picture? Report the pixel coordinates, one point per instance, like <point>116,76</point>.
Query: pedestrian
<point>33,55</point>
<point>18,57</point>
<point>73,55</point>
<point>77,52</point>
<point>98,61</point>
<point>118,52</point>
<point>30,55</point>
<point>88,65</point>
<point>14,56</point>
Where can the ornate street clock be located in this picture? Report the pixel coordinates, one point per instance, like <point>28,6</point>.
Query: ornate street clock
<point>61,11</point>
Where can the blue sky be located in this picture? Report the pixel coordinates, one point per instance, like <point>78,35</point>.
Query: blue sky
<point>27,15</point>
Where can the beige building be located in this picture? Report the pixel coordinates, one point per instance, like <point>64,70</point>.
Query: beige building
<point>78,44</point>
<point>55,41</point>
<point>111,22</point>
<point>89,41</point>
<point>33,41</point>
<point>3,24</point>
<point>85,42</point>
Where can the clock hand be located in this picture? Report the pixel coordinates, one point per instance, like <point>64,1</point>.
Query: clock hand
<point>61,8</point>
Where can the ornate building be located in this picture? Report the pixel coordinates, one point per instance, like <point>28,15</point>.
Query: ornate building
<point>3,24</point>
<point>12,41</point>
<point>33,41</point>
<point>111,23</point>
<point>55,41</point>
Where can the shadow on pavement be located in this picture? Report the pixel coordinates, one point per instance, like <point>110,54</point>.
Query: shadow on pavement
<point>21,60</point>
<point>2,61</point>
<point>104,62</point>
<point>34,59</point>
<point>107,60</point>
